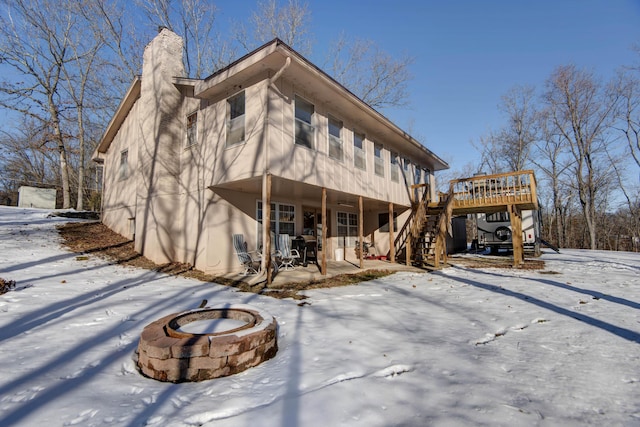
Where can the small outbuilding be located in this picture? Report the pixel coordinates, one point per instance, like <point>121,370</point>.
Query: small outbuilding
<point>33,197</point>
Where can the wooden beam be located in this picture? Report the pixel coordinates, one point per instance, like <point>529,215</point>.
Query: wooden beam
<point>516,235</point>
<point>323,266</point>
<point>392,246</point>
<point>407,248</point>
<point>266,227</point>
<point>360,231</point>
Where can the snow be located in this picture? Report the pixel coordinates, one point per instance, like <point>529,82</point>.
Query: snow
<point>459,347</point>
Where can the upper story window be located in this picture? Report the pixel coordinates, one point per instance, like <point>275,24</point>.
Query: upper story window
<point>417,175</point>
<point>359,153</point>
<point>305,131</point>
<point>192,129</point>
<point>336,149</point>
<point>235,119</point>
<point>407,171</point>
<point>395,166</point>
<point>425,175</point>
<point>124,164</point>
<point>378,161</point>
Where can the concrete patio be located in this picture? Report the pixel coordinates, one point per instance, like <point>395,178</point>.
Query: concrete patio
<point>301,274</point>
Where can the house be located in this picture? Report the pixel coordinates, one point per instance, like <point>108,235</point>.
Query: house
<point>190,162</point>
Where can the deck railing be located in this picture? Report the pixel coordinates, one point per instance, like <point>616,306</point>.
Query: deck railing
<point>494,190</point>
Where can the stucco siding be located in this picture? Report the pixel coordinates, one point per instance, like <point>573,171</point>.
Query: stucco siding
<point>119,195</point>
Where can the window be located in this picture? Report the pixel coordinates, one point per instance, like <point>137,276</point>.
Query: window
<point>417,175</point>
<point>498,217</point>
<point>394,166</point>
<point>235,119</point>
<point>359,153</point>
<point>305,132</point>
<point>192,129</point>
<point>347,229</point>
<point>124,164</point>
<point>378,161</point>
<point>336,150</point>
<point>425,175</point>
<point>407,171</point>
<point>383,222</point>
<point>283,219</point>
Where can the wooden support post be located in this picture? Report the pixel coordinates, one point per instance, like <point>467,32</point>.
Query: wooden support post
<point>266,228</point>
<point>516,235</point>
<point>392,246</point>
<point>323,266</point>
<point>360,231</point>
<point>407,248</point>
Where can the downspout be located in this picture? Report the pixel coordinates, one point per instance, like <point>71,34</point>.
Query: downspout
<point>266,236</point>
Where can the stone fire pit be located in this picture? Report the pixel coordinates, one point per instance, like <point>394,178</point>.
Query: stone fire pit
<point>169,351</point>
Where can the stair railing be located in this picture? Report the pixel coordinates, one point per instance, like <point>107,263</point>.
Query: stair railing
<point>414,222</point>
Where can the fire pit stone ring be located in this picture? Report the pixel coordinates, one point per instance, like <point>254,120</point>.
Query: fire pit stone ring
<point>167,352</point>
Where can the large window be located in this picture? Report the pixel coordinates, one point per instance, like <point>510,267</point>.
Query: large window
<point>124,164</point>
<point>378,160</point>
<point>336,150</point>
<point>192,129</point>
<point>394,159</point>
<point>359,153</point>
<point>347,229</point>
<point>235,119</point>
<point>283,219</point>
<point>305,131</point>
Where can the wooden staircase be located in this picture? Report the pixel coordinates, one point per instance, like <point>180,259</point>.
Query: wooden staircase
<point>422,239</point>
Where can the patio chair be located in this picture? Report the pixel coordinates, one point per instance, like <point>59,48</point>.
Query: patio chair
<point>250,260</point>
<point>287,255</point>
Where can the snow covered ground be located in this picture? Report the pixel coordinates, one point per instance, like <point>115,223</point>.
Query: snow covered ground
<point>458,347</point>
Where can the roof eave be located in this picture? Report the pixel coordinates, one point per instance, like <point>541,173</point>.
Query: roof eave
<point>132,94</point>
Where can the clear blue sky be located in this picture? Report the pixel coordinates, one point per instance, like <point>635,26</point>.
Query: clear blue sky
<point>469,53</point>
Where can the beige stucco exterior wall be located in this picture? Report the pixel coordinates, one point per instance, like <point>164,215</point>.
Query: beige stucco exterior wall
<point>119,195</point>
<point>315,166</point>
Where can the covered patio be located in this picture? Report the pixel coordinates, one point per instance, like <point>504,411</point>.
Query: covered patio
<point>322,202</point>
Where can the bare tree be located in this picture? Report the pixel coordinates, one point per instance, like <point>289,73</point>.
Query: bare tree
<point>580,110</point>
<point>34,42</point>
<point>508,149</point>
<point>25,161</point>
<point>517,137</point>
<point>374,76</point>
<point>289,23</point>
<point>489,149</point>
<point>205,51</point>
<point>79,73</point>
<point>627,87</point>
<point>550,157</point>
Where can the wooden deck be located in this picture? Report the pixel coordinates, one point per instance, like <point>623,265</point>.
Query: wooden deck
<point>423,236</point>
<point>491,193</point>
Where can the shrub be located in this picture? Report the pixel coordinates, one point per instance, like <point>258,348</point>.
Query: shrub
<point>6,285</point>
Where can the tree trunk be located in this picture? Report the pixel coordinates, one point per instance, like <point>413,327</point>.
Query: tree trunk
<point>62,151</point>
<point>80,203</point>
